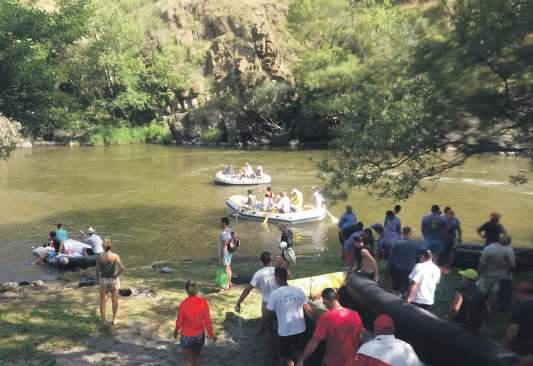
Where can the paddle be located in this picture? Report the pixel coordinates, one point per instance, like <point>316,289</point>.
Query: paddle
<point>333,218</point>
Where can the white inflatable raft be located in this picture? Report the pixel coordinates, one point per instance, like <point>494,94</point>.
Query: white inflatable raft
<point>226,179</point>
<point>235,202</point>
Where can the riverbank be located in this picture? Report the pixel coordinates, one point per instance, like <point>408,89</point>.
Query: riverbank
<point>59,323</point>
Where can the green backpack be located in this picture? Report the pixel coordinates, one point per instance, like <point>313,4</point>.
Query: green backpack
<point>221,280</point>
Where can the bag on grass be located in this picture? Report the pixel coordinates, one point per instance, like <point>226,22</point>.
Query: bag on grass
<point>221,280</point>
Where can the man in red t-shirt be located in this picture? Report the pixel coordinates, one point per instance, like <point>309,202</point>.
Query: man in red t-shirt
<point>340,327</point>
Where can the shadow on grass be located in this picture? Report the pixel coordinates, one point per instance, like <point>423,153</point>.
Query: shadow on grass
<point>32,331</point>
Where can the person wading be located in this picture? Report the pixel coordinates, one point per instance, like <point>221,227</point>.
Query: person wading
<point>108,279</point>
<point>192,321</point>
<point>341,328</point>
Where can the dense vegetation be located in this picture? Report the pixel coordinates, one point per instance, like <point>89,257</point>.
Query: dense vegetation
<point>390,84</point>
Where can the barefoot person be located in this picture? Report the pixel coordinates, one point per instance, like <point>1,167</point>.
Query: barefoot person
<point>192,321</point>
<point>224,255</point>
<point>93,240</point>
<point>108,279</point>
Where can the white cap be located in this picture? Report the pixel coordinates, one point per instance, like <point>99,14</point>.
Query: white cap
<point>283,245</point>
<point>294,190</point>
<point>315,188</point>
<point>91,230</point>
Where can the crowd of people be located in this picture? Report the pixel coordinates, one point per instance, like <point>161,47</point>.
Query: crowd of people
<point>281,202</point>
<point>246,171</point>
<point>414,268</point>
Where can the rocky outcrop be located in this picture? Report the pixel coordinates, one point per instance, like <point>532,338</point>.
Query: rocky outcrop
<point>241,45</point>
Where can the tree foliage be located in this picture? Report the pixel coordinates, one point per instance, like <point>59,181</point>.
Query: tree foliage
<point>9,136</point>
<point>397,88</point>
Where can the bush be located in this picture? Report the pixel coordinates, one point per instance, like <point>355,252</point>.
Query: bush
<point>105,135</point>
<point>211,135</point>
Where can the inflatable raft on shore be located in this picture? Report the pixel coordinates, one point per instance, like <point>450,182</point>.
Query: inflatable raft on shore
<point>235,202</point>
<point>467,256</point>
<point>438,342</point>
<point>76,257</point>
<point>234,180</point>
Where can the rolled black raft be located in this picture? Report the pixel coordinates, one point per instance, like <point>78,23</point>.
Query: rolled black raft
<point>437,342</point>
<point>467,256</point>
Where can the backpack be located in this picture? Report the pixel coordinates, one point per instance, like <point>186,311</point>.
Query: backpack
<point>234,242</point>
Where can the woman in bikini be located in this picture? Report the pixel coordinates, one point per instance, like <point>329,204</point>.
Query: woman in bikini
<point>108,279</point>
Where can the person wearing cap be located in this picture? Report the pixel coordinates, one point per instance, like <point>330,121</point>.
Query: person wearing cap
<point>318,198</point>
<point>492,229</point>
<point>423,282</point>
<point>385,240</point>
<point>496,262</point>
<point>519,334</point>
<point>385,349</point>
<point>93,240</point>
<point>341,328</point>
<point>297,200</point>
<point>433,228</point>
<point>469,304</point>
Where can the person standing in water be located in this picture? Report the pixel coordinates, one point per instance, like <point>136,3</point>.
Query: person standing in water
<point>108,279</point>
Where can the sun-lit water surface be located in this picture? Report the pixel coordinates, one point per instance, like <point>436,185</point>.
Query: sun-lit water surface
<point>158,203</point>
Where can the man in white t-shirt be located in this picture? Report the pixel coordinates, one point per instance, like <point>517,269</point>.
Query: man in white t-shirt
<point>284,203</point>
<point>424,279</point>
<point>264,281</point>
<point>289,304</point>
<point>93,240</point>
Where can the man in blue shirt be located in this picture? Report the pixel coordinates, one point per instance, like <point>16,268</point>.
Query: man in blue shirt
<point>392,222</point>
<point>433,229</point>
<point>385,239</point>
<point>402,260</point>
<point>347,219</point>
<point>452,236</point>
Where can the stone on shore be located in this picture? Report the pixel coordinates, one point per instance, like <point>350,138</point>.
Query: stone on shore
<point>9,286</point>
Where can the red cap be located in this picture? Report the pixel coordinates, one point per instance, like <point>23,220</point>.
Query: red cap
<point>384,325</point>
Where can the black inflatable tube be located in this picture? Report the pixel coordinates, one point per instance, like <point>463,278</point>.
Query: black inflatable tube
<point>75,262</point>
<point>467,256</point>
<point>437,342</point>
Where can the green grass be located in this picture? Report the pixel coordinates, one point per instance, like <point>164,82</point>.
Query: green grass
<point>105,135</point>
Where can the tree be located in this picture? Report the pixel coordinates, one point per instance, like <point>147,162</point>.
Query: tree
<point>9,136</point>
<point>32,45</point>
<point>398,97</point>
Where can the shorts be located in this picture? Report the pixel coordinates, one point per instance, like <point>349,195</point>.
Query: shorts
<point>488,284</point>
<point>226,261</point>
<point>109,285</point>
<point>193,342</point>
<point>422,306</point>
<point>400,279</point>
<point>290,347</point>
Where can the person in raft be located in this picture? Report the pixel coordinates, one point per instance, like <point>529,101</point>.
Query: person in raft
<point>284,203</point>
<point>385,349</point>
<point>108,279</point>
<point>341,328</point>
<point>192,321</point>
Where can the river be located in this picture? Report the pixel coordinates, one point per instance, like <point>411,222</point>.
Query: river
<point>158,203</point>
